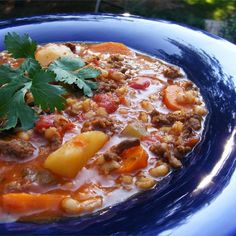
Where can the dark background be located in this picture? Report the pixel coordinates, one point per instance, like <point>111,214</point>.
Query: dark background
<point>216,16</point>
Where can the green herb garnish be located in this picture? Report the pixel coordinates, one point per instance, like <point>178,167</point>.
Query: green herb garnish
<point>20,46</point>
<point>31,77</point>
<point>15,85</point>
<point>69,70</point>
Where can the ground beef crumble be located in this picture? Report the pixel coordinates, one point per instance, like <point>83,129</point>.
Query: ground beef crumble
<point>106,125</point>
<point>15,148</point>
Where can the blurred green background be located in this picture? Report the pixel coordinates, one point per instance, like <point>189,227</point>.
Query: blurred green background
<point>215,16</point>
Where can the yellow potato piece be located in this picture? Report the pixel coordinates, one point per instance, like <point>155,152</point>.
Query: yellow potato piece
<point>51,52</point>
<point>134,130</point>
<point>72,156</point>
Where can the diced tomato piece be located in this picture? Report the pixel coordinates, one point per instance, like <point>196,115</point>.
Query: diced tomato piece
<point>108,101</point>
<point>66,127</point>
<point>95,61</point>
<point>69,126</point>
<point>122,100</point>
<point>45,122</point>
<point>140,83</point>
<point>110,72</point>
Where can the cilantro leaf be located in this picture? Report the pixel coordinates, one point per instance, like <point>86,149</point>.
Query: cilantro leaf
<point>64,67</point>
<point>8,90</point>
<point>14,85</point>
<point>31,77</point>
<point>20,46</point>
<point>7,74</point>
<point>88,73</point>
<point>13,107</point>
<point>66,70</point>
<point>91,84</point>
<point>17,109</point>
<point>46,95</point>
<point>30,66</point>
<point>85,86</point>
<point>68,63</point>
<point>62,75</point>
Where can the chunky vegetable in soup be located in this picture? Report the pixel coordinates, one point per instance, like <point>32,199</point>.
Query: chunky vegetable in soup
<point>85,126</point>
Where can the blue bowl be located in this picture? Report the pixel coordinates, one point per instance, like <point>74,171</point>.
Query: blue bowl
<point>200,198</point>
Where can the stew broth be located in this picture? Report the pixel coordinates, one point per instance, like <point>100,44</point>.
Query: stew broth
<point>147,111</point>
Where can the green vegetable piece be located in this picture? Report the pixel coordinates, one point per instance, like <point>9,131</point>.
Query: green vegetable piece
<point>20,46</point>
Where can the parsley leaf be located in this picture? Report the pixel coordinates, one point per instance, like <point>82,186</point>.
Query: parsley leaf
<point>20,46</point>
<point>68,70</point>
<point>46,95</point>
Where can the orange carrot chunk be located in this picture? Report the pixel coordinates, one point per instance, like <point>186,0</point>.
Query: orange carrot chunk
<point>170,98</point>
<point>191,142</point>
<point>133,159</point>
<point>29,204</point>
<point>112,48</point>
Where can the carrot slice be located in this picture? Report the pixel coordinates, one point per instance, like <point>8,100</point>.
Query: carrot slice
<point>112,48</point>
<point>192,141</point>
<point>133,159</point>
<point>170,98</point>
<point>29,204</point>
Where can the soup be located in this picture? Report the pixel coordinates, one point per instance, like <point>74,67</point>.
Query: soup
<point>127,120</point>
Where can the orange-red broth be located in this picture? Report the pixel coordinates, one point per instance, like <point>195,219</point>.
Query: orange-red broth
<point>90,183</point>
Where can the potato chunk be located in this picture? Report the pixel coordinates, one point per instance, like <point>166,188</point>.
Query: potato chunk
<point>72,156</point>
<point>51,52</point>
<point>134,129</point>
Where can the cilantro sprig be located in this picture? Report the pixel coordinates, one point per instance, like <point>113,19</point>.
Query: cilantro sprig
<point>72,71</point>
<point>40,82</point>
<point>15,85</point>
<point>20,46</point>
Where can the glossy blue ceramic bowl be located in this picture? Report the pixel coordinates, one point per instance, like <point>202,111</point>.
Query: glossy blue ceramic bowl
<point>200,198</point>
